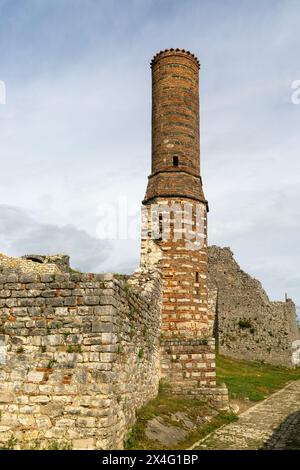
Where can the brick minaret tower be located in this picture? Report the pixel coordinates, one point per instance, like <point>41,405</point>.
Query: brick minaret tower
<point>174,223</point>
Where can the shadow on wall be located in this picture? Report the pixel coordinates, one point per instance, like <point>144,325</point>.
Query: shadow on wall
<point>287,435</point>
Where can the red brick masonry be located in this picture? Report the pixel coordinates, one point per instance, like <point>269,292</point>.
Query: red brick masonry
<point>188,349</point>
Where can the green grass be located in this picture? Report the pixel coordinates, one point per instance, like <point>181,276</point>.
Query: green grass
<point>164,405</point>
<point>253,381</point>
<point>74,271</point>
<point>246,381</point>
<point>35,445</point>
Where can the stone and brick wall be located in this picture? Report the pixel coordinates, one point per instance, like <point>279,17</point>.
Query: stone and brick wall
<point>81,355</point>
<point>187,343</point>
<point>175,181</point>
<point>248,325</point>
<point>184,272</point>
<point>189,367</point>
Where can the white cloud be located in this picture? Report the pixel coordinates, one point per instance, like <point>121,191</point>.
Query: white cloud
<point>22,234</point>
<point>75,132</point>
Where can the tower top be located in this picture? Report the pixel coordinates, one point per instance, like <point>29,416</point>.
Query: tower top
<point>175,52</point>
<point>175,170</point>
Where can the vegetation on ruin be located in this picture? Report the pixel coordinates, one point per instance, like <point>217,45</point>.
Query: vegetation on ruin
<point>74,271</point>
<point>243,323</point>
<point>74,348</point>
<point>164,407</point>
<point>252,381</point>
<point>247,383</point>
<point>35,444</point>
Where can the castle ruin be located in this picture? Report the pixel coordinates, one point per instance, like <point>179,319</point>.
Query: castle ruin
<point>81,352</point>
<point>247,324</point>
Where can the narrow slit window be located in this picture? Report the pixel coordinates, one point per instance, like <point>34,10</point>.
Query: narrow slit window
<point>197,277</point>
<point>175,161</point>
<point>160,226</point>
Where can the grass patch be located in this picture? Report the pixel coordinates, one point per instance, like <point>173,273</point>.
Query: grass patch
<point>10,444</point>
<point>253,381</point>
<point>205,429</point>
<point>74,271</point>
<point>141,353</point>
<point>243,323</point>
<point>165,405</point>
<point>246,381</point>
<point>74,348</point>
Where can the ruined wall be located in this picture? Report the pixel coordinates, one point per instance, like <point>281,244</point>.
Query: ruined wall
<point>248,325</point>
<point>81,355</point>
<point>61,261</point>
<point>24,265</point>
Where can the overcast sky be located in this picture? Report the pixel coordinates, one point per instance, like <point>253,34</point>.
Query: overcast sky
<point>75,131</point>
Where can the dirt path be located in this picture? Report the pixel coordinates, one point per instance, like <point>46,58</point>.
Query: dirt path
<point>271,424</point>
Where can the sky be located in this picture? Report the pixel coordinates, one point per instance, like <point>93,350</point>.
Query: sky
<point>75,135</point>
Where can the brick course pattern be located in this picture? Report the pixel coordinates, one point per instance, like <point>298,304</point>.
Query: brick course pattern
<point>188,351</point>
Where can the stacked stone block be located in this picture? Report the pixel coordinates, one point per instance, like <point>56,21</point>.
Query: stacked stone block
<point>81,355</point>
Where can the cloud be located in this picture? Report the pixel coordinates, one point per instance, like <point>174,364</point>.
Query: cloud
<point>75,132</point>
<point>21,234</point>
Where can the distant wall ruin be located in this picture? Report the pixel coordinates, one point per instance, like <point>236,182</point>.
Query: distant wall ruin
<point>247,324</point>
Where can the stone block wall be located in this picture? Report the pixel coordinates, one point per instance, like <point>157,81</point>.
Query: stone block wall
<point>248,325</point>
<point>81,355</point>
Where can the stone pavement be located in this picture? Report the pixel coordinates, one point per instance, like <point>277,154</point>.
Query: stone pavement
<point>271,424</point>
